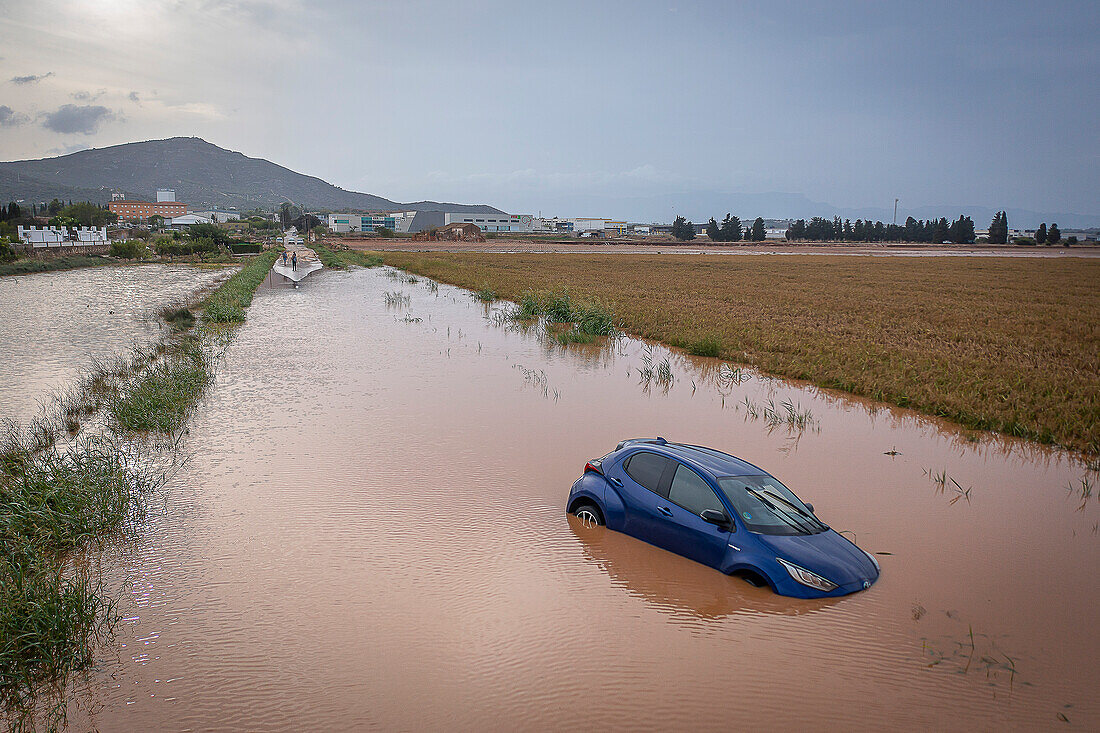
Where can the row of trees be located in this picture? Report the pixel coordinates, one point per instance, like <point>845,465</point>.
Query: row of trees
<point>731,230</point>
<point>82,213</point>
<point>937,231</point>
<point>1049,236</point>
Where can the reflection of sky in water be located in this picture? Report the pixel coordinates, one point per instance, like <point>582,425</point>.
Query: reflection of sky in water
<point>373,516</point>
<point>56,323</point>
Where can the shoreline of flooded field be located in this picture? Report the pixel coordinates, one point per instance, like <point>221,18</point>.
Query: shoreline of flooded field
<point>60,322</point>
<point>371,532</point>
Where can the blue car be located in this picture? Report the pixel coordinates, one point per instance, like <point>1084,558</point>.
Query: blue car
<point>721,511</point>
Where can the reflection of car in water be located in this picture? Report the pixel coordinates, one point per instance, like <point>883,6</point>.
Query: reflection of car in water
<point>723,512</point>
<point>675,586</point>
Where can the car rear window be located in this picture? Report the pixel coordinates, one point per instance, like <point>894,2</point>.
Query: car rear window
<point>646,469</point>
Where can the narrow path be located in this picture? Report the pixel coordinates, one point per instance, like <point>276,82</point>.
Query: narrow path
<point>298,260</point>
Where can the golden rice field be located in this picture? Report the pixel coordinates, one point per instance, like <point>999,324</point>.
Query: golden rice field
<point>1011,345</point>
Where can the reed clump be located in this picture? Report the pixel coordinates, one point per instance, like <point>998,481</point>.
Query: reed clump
<point>54,505</point>
<point>178,317</point>
<point>591,317</point>
<point>1004,344</point>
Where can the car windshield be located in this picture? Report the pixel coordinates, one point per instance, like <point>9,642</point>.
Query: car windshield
<point>768,507</point>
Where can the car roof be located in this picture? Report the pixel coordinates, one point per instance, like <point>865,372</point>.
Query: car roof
<point>713,461</point>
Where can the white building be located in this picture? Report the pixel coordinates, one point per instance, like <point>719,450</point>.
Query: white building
<point>188,219</point>
<point>165,194</point>
<point>493,222</point>
<point>61,237</point>
<point>220,216</point>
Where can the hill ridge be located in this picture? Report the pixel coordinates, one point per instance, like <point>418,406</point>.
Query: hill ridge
<point>202,174</point>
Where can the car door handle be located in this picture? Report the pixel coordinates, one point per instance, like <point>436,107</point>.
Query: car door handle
<point>614,481</point>
<point>665,510</point>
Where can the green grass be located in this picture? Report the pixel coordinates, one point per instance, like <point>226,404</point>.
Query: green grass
<point>706,346</point>
<point>228,303</point>
<point>485,295</point>
<point>342,259</point>
<point>28,265</point>
<point>164,395</point>
<point>592,318</point>
<point>54,505</point>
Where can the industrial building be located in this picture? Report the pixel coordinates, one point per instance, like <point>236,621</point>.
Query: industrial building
<point>219,216</point>
<point>165,206</point>
<point>493,222</point>
<point>419,221</point>
<point>398,221</point>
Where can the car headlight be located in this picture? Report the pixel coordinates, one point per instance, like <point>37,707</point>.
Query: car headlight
<point>805,577</point>
<point>873,561</point>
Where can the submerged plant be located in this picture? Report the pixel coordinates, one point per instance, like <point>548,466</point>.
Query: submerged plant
<point>731,376</point>
<point>178,317</point>
<point>941,480</point>
<point>396,299</point>
<point>573,336</point>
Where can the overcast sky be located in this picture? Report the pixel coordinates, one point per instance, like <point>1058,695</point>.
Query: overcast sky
<point>591,108</point>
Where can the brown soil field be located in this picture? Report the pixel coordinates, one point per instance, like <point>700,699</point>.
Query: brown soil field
<point>1002,344</point>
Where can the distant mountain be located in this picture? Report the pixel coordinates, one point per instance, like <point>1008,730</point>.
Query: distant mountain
<point>201,173</point>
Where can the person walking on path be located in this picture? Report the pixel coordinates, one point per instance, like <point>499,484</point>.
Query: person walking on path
<point>294,261</point>
<point>284,259</point>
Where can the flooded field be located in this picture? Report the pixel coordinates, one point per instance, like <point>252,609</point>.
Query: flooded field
<point>371,533</point>
<point>56,323</point>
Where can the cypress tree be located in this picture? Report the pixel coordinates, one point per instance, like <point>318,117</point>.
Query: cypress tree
<point>712,230</point>
<point>731,229</point>
<point>998,230</point>
<point>940,231</point>
<point>1054,236</point>
<point>758,232</point>
<point>1041,234</point>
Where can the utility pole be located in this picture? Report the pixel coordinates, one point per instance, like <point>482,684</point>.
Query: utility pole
<point>895,211</point>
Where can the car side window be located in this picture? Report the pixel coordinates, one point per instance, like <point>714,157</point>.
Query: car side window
<point>690,491</point>
<point>646,469</point>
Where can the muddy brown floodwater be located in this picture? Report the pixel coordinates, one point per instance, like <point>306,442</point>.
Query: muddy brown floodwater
<point>372,534</point>
<point>53,324</point>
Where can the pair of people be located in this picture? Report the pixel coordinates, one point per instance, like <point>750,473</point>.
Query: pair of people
<point>293,260</point>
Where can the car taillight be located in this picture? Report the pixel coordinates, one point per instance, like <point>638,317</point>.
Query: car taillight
<point>594,466</point>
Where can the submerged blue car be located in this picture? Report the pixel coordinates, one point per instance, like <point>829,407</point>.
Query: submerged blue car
<point>721,511</point>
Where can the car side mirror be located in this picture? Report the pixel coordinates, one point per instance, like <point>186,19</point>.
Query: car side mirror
<point>715,517</point>
<point>809,506</point>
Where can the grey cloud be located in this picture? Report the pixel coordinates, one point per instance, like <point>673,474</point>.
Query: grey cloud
<point>31,78</point>
<point>88,96</point>
<point>134,97</point>
<point>9,117</point>
<point>71,118</point>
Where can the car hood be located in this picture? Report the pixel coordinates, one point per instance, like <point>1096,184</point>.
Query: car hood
<point>827,553</point>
